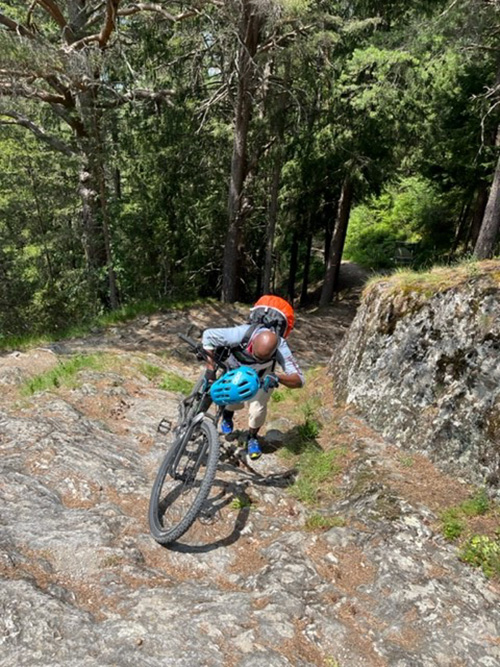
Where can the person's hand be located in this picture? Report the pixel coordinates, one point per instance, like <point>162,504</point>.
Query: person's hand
<point>209,379</point>
<point>271,381</point>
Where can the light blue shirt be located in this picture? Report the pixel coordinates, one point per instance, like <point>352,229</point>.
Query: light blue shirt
<point>231,336</point>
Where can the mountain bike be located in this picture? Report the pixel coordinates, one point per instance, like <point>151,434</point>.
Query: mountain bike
<point>186,474</point>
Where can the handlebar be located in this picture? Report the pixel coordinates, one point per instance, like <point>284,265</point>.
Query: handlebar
<point>201,353</point>
<point>197,348</point>
<point>192,343</point>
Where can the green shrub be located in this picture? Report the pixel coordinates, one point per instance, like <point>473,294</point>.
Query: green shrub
<point>484,552</point>
<point>452,526</point>
<point>410,211</point>
<point>477,505</point>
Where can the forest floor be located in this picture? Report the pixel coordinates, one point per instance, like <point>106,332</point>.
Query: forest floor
<point>327,551</point>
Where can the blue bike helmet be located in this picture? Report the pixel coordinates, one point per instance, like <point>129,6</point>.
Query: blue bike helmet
<point>240,384</point>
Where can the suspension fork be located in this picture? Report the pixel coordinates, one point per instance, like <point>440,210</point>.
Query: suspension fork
<point>184,439</point>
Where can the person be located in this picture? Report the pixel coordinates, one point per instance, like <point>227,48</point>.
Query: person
<point>262,350</point>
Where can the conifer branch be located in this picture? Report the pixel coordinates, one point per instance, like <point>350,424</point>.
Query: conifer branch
<point>26,92</point>
<point>138,94</point>
<point>51,8</point>
<point>37,130</point>
<point>110,22</point>
<point>16,27</point>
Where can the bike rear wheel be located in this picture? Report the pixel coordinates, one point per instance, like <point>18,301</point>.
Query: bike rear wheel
<point>183,482</point>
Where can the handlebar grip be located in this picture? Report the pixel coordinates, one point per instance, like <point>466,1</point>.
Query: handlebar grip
<point>197,348</point>
<point>201,354</point>
<point>192,343</point>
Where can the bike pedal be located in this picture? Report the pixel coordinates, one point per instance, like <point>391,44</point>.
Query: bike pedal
<point>165,426</point>
<point>240,454</point>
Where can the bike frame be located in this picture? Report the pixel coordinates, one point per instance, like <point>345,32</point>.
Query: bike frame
<point>189,415</point>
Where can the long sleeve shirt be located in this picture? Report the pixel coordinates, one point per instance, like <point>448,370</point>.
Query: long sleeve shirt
<point>233,336</point>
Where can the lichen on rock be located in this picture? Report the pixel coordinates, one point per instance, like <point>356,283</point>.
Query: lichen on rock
<point>421,362</point>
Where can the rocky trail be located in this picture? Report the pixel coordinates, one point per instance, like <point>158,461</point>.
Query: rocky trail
<point>83,583</point>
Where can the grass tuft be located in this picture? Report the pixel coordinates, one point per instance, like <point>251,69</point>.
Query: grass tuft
<point>316,522</point>
<point>174,382</point>
<point>240,502</point>
<point>151,371</point>
<point>436,279</point>
<point>454,519</point>
<point>284,394</point>
<point>146,307</point>
<point>62,374</point>
<point>166,380</point>
<point>316,470</point>
<point>301,439</point>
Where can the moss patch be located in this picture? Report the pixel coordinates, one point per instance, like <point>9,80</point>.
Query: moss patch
<point>406,292</point>
<point>437,279</point>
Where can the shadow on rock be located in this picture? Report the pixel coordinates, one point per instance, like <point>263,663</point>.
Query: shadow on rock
<point>296,440</point>
<point>217,526</point>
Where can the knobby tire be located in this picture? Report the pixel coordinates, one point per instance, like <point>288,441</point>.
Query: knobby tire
<point>175,502</point>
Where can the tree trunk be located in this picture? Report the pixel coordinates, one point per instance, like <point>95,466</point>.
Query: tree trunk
<point>114,301</point>
<point>275,183</point>
<point>92,190</point>
<point>490,227</point>
<point>250,25</point>
<point>337,244</point>
<point>271,223</point>
<point>293,267</point>
<point>307,265</point>
<point>329,215</point>
<point>91,233</point>
<point>477,217</point>
<point>461,225</point>
<point>31,171</point>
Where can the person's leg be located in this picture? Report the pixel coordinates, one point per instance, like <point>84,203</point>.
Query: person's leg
<point>257,412</point>
<point>227,424</point>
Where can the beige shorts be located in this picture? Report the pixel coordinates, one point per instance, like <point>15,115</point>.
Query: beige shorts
<point>257,408</point>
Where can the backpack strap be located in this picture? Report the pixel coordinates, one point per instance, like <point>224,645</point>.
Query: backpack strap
<point>249,333</point>
<point>239,350</point>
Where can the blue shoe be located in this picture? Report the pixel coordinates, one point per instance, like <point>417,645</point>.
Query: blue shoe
<point>253,449</point>
<point>227,426</point>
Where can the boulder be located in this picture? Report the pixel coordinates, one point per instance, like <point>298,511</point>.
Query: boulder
<point>421,362</point>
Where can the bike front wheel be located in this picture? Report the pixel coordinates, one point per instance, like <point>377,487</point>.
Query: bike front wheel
<point>183,483</point>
